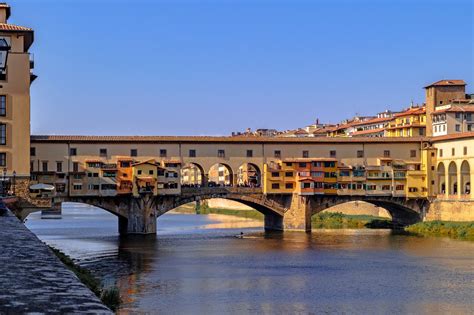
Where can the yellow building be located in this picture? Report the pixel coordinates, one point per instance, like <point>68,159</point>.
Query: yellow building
<point>145,178</point>
<point>15,80</point>
<point>409,123</point>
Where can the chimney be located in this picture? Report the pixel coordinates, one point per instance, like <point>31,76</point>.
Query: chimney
<point>4,12</point>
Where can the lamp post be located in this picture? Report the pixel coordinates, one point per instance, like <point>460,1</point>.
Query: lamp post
<point>4,49</point>
<point>14,183</point>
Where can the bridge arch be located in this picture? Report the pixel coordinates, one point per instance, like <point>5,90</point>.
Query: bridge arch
<point>404,212</point>
<point>192,174</point>
<point>220,174</point>
<point>441,175</point>
<point>249,175</point>
<point>465,184</point>
<point>453,178</point>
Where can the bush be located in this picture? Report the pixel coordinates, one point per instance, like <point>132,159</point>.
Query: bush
<point>459,230</point>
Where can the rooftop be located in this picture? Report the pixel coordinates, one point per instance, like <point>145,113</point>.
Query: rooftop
<point>447,83</point>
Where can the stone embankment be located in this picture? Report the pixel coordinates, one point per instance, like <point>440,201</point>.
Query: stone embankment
<point>33,280</point>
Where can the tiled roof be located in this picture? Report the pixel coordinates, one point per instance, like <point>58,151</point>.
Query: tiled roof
<point>309,159</point>
<point>456,108</point>
<point>373,121</point>
<point>446,83</point>
<point>412,111</point>
<point>462,135</point>
<point>367,132</point>
<point>11,27</point>
<point>210,139</point>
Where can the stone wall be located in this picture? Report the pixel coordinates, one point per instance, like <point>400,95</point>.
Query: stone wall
<point>445,210</point>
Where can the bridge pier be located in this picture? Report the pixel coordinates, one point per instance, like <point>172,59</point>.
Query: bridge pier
<point>298,216</point>
<point>273,222</point>
<point>141,216</point>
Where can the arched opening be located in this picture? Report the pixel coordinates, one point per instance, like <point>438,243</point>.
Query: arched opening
<point>220,175</point>
<point>249,175</point>
<point>453,178</point>
<point>192,175</point>
<point>441,173</point>
<point>465,178</point>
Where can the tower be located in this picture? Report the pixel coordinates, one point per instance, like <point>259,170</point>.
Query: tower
<point>15,79</point>
<point>439,94</point>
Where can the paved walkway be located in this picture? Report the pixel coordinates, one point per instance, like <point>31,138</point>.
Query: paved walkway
<point>33,279</point>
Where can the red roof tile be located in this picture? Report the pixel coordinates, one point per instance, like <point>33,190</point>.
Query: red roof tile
<point>446,83</point>
<point>11,27</point>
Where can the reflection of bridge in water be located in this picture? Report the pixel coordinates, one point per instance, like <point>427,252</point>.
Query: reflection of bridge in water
<point>281,211</point>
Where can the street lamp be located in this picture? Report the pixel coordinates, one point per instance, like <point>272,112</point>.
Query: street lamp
<point>14,182</point>
<point>4,49</point>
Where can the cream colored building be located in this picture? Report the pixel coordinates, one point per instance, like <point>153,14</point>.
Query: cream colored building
<point>15,83</point>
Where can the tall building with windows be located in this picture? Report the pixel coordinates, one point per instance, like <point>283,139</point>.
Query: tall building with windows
<point>15,80</point>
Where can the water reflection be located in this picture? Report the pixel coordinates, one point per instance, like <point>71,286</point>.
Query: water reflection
<point>196,265</point>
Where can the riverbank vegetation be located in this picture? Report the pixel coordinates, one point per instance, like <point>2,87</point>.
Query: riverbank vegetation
<point>324,220</point>
<point>456,230</point>
<point>110,296</point>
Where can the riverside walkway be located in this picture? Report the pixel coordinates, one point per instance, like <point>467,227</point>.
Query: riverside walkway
<point>33,279</point>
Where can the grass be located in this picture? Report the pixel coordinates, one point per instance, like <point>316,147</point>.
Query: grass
<point>110,296</point>
<point>456,230</point>
<point>336,220</point>
<point>249,214</point>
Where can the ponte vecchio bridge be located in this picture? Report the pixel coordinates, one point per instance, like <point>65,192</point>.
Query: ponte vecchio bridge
<point>287,179</point>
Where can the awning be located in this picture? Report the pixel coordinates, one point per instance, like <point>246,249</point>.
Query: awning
<point>42,186</point>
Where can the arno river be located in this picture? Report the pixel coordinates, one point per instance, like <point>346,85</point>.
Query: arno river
<point>196,265</point>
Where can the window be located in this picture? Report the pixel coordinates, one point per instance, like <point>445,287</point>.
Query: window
<point>469,127</point>
<point>93,187</point>
<point>317,164</point>
<point>288,174</point>
<point>275,174</point>
<point>301,164</point>
<point>277,154</point>
<point>3,159</point>
<point>412,153</point>
<point>192,153</point>
<point>289,185</point>
<point>440,152</point>
<point>75,167</point>
<point>458,127</point>
<point>332,153</point>
<point>360,153</point>
<point>275,186</point>
<point>77,186</point>
<point>45,166</point>
<point>33,151</point>
<point>162,152</point>
<point>465,150</point>
<point>453,151</point>
<point>133,152</point>
<point>103,152</point>
<point>249,153</point>
<point>399,187</point>
<point>288,164</point>
<point>421,131</point>
<point>221,153</point>
<point>3,134</point>
<point>139,172</point>
<point>3,105</point>
<point>305,154</point>
<point>386,153</point>
<point>72,151</point>
<point>305,185</point>
<point>150,172</point>
<point>59,167</point>
<point>458,115</point>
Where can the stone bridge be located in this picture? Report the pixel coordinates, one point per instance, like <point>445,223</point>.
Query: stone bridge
<point>137,215</point>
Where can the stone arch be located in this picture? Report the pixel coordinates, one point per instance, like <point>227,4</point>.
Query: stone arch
<point>465,178</point>
<point>453,178</point>
<point>220,174</point>
<point>249,175</point>
<point>403,212</point>
<point>192,174</point>
<point>441,178</point>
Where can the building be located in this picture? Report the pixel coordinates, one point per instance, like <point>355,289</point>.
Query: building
<point>15,80</point>
<point>409,123</point>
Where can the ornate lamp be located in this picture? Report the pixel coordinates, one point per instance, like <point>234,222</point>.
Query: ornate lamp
<point>4,49</point>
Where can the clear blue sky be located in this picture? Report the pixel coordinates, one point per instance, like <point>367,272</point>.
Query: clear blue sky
<point>211,67</point>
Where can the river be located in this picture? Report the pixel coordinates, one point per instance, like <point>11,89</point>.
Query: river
<point>196,265</point>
